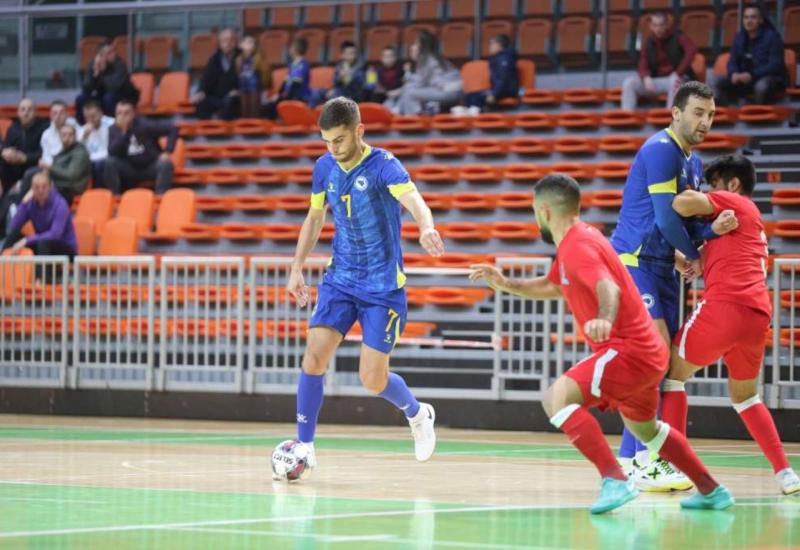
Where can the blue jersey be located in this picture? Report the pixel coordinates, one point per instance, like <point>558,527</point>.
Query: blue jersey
<point>660,170</point>
<point>366,213</point>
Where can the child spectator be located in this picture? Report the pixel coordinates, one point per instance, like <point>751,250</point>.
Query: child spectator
<point>254,76</point>
<point>349,79</point>
<point>386,80</point>
<point>503,74</point>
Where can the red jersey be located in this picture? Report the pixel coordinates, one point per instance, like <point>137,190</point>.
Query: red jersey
<point>584,257</point>
<point>736,264</point>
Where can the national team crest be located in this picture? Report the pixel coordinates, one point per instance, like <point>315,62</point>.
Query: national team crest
<point>361,183</point>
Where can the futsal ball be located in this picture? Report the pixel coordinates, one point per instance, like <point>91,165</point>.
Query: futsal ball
<point>290,461</point>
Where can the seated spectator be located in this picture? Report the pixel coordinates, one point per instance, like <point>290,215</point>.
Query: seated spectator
<point>51,138</point>
<point>94,136</point>
<point>254,77</point>
<point>51,218</point>
<point>386,80</point>
<point>297,85</point>
<point>219,84</point>
<point>22,147</point>
<point>71,167</point>
<point>349,78</point>
<point>756,65</point>
<point>503,74</point>
<point>432,85</point>
<point>134,152</point>
<point>107,80</point>
<point>665,62</point>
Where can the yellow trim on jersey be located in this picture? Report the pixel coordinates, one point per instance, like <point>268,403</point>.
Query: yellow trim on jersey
<point>399,189</point>
<point>401,278</point>
<point>671,134</point>
<point>670,186</point>
<point>630,259</point>
<point>367,151</point>
<point>318,200</point>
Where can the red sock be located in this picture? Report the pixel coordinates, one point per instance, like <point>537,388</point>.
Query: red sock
<point>677,451</point>
<point>585,434</point>
<point>675,409</point>
<point>762,428</point>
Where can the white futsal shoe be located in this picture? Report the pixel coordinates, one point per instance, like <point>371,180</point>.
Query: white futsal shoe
<point>788,482</point>
<point>422,431</point>
<point>661,477</point>
<point>311,457</point>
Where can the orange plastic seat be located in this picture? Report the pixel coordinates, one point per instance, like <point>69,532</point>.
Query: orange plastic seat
<point>466,231</point>
<point>491,122</point>
<point>316,39</point>
<point>456,297</point>
<point>621,117</point>
<point>211,128</point>
<point>577,170</point>
<point>265,176</point>
<point>487,147</point>
<point>444,148</point>
<point>786,197</point>
<point>375,116</point>
<point>578,119</point>
<point>201,48</point>
<point>240,232</point>
<point>459,260</point>
<point>378,38</point>
<point>202,152</point>
<point>481,173</point>
<point>516,231</point>
<point>275,151</point>
<point>760,114</point>
<point>206,203</point>
<point>515,200</point>
<point>607,199</point>
<point>241,151</point>
<point>582,96</point>
<point>300,175</point>
<point>528,173</point>
<point>327,233</point>
<point>660,116</point>
<point>450,123</point>
<point>280,231</point>
<point>535,121</point>
<point>312,150</point>
<point>296,117</point>
<point>292,203</point>
<point>178,208</point>
<point>788,229</point>
<point>253,203</point>
<point>16,277</point>
<point>699,27</point>
<point>225,176</point>
<point>402,148</point>
<point>474,201</point>
<point>435,174</point>
<point>620,144</point>
<point>173,95</point>
<point>199,232</point>
<point>321,78</point>
<point>456,40</point>
<point>159,51</point>
<point>118,238</point>
<point>533,38</point>
<point>97,205</point>
<point>410,123</point>
<point>722,142</point>
<point>273,44</point>
<point>530,146</point>
<point>573,37</point>
<point>612,170</point>
<point>189,177</point>
<point>539,97</point>
<point>86,236</point>
<point>475,75</point>
<point>145,83</point>
<point>575,146</point>
<point>438,201</point>
<point>138,205</point>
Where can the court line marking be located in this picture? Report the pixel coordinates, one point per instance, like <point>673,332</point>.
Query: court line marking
<point>391,538</point>
<point>387,513</point>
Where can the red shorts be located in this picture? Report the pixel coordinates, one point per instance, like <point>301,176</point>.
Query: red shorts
<point>621,381</point>
<point>732,331</point>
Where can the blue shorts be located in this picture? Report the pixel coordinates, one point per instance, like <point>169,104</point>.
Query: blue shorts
<point>660,291</point>
<point>382,318</point>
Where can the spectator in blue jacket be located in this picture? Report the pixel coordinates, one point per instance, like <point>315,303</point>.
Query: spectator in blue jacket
<point>503,74</point>
<point>756,65</point>
<point>350,76</point>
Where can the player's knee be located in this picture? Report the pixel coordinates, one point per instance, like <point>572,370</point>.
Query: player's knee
<point>314,364</point>
<point>373,381</point>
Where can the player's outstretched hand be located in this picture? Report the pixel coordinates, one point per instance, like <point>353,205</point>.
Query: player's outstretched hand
<point>688,270</point>
<point>297,287</point>
<point>725,222</point>
<point>431,241</point>
<point>489,273</point>
<point>599,330</point>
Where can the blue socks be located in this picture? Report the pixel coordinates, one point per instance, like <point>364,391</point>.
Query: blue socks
<point>309,402</point>
<point>397,393</point>
<point>629,445</point>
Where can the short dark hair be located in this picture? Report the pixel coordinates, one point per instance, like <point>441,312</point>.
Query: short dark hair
<point>561,190</point>
<point>126,101</point>
<point>92,104</point>
<point>339,111</point>
<point>300,45</point>
<point>503,39</point>
<point>728,167</point>
<point>347,44</point>
<point>58,102</point>
<point>689,89</point>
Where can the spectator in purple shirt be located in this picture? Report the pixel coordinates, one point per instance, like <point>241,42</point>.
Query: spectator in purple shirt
<point>49,213</point>
<point>134,153</point>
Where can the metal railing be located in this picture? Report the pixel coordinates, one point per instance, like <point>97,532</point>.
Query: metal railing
<point>223,324</point>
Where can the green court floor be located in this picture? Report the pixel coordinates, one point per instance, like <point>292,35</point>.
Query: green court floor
<point>37,515</point>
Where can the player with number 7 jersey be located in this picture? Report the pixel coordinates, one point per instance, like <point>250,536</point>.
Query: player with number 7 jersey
<point>732,320</point>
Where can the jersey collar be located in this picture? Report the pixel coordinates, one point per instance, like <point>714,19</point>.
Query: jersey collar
<point>367,151</point>
<point>674,138</point>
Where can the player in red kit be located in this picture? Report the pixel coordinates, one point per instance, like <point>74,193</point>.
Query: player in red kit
<point>629,356</point>
<point>732,320</point>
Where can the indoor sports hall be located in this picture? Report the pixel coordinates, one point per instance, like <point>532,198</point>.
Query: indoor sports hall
<point>147,377</point>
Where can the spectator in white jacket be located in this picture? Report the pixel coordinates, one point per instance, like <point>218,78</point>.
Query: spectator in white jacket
<point>431,85</point>
<point>51,138</point>
<point>94,135</point>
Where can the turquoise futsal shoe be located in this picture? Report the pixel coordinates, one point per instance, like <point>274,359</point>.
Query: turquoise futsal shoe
<point>718,499</point>
<point>613,494</point>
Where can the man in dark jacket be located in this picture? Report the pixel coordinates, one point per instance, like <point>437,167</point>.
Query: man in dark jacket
<point>665,62</point>
<point>756,65</point>
<point>134,153</point>
<point>503,74</point>
<point>350,75</point>
<point>219,85</point>
<point>107,80</point>
<point>22,147</point>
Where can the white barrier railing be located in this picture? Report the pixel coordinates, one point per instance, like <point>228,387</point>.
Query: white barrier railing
<point>785,375</point>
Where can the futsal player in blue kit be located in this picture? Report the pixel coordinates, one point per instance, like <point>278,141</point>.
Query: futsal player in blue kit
<point>648,234</point>
<point>364,187</point>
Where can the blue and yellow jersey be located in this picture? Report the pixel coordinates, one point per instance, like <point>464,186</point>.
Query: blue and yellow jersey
<point>660,169</point>
<point>366,212</point>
